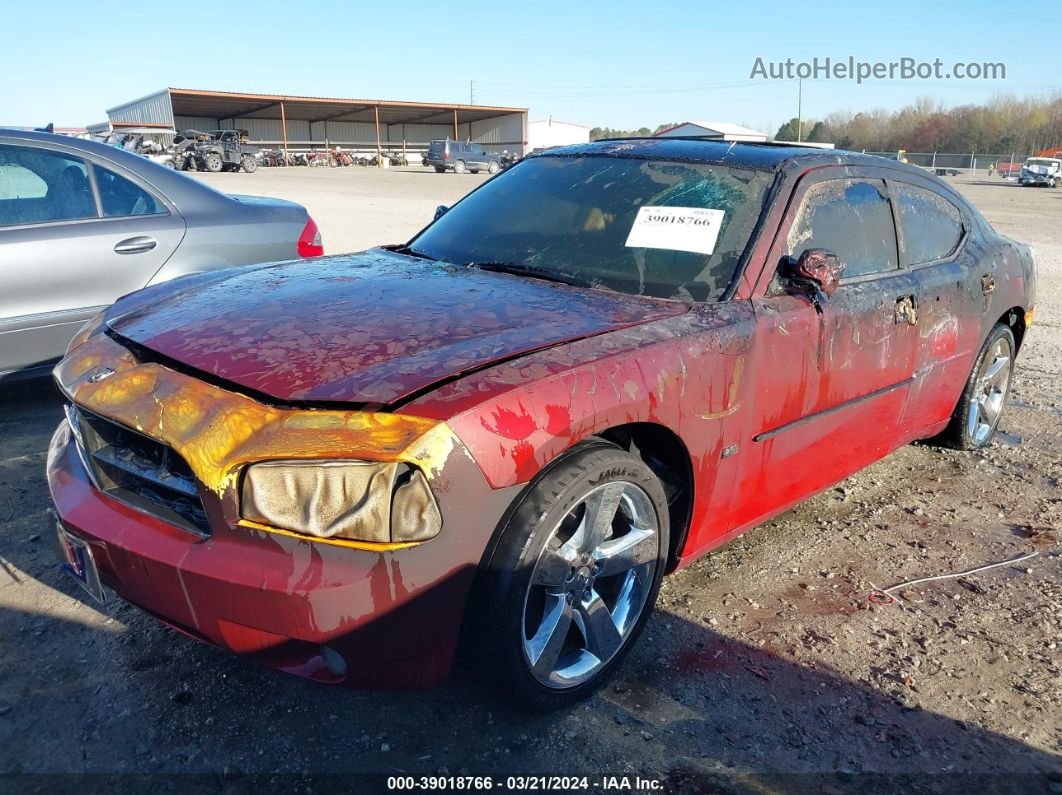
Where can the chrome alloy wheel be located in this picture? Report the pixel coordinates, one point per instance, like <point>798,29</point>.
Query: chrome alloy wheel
<point>590,584</point>
<point>990,392</point>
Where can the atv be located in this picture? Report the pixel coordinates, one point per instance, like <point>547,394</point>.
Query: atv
<point>224,150</point>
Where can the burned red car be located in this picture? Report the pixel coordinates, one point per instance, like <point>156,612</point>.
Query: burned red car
<point>596,367</point>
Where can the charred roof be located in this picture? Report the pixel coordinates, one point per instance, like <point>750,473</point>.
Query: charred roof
<point>758,156</point>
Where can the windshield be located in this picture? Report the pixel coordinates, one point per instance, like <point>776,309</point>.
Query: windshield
<point>1040,161</point>
<point>663,229</point>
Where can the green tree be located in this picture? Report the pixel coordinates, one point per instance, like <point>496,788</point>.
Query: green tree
<point>820,133</point>
<point>788,131</point>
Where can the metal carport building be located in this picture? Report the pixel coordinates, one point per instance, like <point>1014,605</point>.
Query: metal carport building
<point>295,122</point>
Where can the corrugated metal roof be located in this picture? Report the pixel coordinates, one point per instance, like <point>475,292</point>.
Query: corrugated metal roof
<point>228,104</point>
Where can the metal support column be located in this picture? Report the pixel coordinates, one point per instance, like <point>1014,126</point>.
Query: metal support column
<point>284,131</point>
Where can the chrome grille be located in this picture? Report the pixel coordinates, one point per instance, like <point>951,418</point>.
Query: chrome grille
<point>139,471</point>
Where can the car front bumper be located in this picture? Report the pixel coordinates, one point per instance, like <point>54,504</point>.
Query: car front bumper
<point>392,618</point>
<point>383,615</point>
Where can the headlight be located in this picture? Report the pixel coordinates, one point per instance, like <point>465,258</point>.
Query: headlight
<point>352,500</point>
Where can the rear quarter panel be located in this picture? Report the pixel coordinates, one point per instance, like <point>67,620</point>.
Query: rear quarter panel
<point>239,232</point>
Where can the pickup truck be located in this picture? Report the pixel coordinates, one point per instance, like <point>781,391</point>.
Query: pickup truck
<point>1041,171</point>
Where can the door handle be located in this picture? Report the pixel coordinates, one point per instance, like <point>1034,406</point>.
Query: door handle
<point>905,311</point>
<point>135,245</point>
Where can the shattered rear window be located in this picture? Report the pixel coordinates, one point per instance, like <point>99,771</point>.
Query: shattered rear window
<point>573,217</point>
<point>931,226</point>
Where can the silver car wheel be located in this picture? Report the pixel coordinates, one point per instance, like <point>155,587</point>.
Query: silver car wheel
<point>590,584</point>
<point>990,393</point>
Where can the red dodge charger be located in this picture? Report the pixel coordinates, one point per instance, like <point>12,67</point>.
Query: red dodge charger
<point>596,367</point>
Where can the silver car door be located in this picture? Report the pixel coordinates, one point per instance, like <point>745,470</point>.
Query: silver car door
<point>77,236</point>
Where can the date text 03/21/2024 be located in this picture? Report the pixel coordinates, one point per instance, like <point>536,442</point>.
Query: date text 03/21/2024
<point>635,784</point>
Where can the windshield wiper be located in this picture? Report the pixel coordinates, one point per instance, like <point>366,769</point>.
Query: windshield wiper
<point>519,269</point>
<point>410,252</point>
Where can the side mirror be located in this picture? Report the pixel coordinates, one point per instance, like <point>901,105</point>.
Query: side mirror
<point>440,211</point>
<point>818,267</point>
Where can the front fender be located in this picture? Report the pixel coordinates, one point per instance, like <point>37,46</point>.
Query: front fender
<point>682,373</point>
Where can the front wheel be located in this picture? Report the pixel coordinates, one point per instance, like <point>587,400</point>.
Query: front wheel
<point>574,576</point>
<point>213,163</point>
<point>249,163</point>
<point>976,417</point>
<point>493,167</point>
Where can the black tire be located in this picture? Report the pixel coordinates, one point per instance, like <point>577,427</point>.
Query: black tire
<point>493,167</point>
<point>439,170</point>
<point>473,170</point>
<point>509,601</point>
<point>971,426</point>
<point>459,167</point>
<point>249,163</point>
<point>213,163</point>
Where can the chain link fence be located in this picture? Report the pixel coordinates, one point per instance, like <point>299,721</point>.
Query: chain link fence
<point>971,163</point>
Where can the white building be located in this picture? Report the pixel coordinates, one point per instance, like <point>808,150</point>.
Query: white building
<point>543,134</point>
<point>718,130</point>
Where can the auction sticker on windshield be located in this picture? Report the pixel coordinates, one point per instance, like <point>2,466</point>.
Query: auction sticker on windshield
<point>693,229</point>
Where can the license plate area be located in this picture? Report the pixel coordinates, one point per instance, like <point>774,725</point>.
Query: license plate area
<point>78,562</point>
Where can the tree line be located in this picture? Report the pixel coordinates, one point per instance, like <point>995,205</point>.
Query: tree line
<point>1003,125</point>
<point>597,133</point>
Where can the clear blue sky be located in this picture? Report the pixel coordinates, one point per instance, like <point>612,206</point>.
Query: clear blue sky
<point>619,63</point>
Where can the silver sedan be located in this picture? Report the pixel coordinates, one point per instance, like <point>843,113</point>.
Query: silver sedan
<point>82,223</point>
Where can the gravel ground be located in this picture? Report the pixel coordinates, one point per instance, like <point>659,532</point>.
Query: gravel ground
<point>356,207</point>
<point>764,669</point>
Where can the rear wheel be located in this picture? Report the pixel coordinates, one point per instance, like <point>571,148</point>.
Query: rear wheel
<point>213,162</point>
<point>575,576</point>
<point>459,167</point>
<point>976,417</point>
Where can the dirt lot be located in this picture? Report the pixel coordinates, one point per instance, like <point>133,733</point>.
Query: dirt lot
<point>356,207</point>
<point>764,669</point>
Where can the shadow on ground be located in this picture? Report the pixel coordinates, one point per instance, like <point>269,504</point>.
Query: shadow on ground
<point>112,694</point>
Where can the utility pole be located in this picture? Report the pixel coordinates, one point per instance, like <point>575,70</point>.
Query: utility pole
<point>471,93</point>
<point>800,109</point>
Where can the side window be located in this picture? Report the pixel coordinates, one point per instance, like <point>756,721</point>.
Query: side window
<point>121,198</point>
<point>853,219</point>
<point>38,186</point>
<point>930,225</point>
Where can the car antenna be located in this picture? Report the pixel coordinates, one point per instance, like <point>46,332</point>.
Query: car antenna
<point>49,128</point>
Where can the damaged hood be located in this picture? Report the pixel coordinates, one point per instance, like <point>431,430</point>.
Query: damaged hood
<point>373,328</point>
